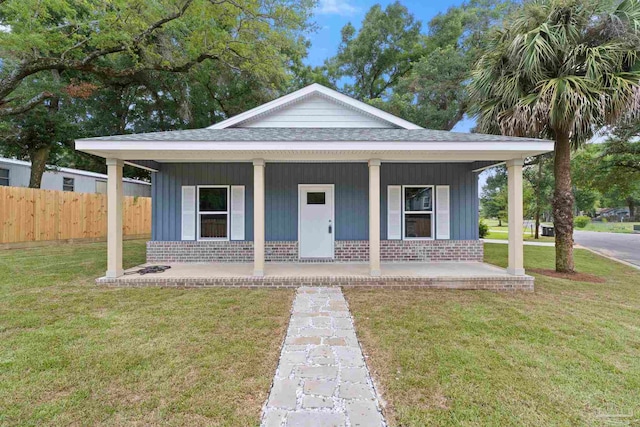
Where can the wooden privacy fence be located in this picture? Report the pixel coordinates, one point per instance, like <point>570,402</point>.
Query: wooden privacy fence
<point>33,215</point>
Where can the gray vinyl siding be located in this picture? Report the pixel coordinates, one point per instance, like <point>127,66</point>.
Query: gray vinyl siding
<point>351,205</point>
<point>167,193</point>
<point>351,181</point>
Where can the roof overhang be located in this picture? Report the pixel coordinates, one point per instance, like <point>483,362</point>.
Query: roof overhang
<point>331,151</point>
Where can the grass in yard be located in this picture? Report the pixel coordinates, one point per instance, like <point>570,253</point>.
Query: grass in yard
<point>610,227</point>
<point>72,353</point>
<point>568,354</point>
<point>501,232</point>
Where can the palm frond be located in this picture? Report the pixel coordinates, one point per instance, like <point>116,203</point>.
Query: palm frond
<point>560,66</point>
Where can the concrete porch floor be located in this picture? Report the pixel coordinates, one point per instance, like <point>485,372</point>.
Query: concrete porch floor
<point>457,275</point>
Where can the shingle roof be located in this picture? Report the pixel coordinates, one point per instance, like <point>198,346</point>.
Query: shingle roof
<point>313,135</point>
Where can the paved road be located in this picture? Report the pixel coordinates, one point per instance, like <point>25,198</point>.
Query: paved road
<point>617,245</point>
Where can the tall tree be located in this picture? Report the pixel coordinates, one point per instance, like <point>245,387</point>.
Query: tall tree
<point>379,54</point>
<point>434,92</point>
<point>539,174</point>
<point>38,134</point>
<point>613,175</point>
<point>146,50</point>
<point>493,200</point>
<point>560,69</point>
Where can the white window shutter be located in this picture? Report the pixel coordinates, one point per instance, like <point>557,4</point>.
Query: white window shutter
<point>443,216</point>
<point>188,212</point>
<point>394,212</point>
<point>237,212</point>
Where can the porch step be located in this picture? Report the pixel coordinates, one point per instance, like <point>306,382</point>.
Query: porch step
<point>494,283</point>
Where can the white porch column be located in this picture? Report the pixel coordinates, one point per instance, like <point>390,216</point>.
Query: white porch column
<point>114,218</point>
<point>258,217</point>
<point>374,217</point>
<point>515,212</point>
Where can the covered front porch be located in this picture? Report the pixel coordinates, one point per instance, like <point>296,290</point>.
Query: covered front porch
<point>437,275</point>
<point>372,244</point>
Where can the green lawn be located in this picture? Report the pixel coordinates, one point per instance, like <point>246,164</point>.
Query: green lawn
<point>610,227</point>
<point>501,232</point>
<point>72,353</point>
<point>568,354</point>
<point>495,231</point>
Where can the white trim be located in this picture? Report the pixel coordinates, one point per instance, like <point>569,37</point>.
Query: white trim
<point>307,91</point>
<point>114,146</point>
<point>237,191</point>
<point>439,213</point>
<point>198,213</point>
<point>394,233</point>
<point>333,215</point>
<point>403,212</point>
<point>188,231</point>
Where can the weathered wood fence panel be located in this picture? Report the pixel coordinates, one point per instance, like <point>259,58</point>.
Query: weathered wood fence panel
<point>33,215</point>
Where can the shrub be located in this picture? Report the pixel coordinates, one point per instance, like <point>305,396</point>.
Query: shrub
<point>483,229</point>
<point>605,220</point>
<point>581,221</point>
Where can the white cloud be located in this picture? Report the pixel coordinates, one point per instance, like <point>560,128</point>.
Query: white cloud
<point>336,7</point>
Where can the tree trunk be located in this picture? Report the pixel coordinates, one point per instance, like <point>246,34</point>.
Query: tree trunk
<point>538,197</point>
<point>563,205</point>
<point>38,157</point>
<point>632,208</point>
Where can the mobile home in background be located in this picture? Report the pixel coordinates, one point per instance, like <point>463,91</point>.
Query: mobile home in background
<point>16,173</point>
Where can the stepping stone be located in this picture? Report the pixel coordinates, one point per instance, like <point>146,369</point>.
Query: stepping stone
<point>320,388</point>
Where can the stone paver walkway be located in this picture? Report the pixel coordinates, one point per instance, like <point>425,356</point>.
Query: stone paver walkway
<point>322,379</point>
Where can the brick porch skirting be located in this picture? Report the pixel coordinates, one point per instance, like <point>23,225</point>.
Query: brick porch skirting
<point>287,251</point>
<point>498,283</point>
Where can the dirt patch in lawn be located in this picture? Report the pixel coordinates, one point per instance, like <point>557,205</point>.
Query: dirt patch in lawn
<point>577,277</point>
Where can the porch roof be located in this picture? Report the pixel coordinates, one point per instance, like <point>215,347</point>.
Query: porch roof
<point>313,135</point>
<point>313,144</point>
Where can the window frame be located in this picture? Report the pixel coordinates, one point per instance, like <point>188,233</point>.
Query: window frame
<point>429,212</point>
<point>199,214</point>
<point>73,183</point>
<point>6,179</point>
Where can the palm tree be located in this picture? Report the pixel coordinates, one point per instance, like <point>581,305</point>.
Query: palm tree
<point>560,69</point>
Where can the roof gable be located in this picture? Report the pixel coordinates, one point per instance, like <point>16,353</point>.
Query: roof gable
<point>315,106</point>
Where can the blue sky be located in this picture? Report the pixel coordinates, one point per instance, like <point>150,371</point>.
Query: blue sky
<point>332,15</point>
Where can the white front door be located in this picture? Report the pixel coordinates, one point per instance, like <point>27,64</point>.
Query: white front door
<point>316,222</point>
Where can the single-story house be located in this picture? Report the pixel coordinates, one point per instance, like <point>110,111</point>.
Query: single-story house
<point>315,178</point>
<point>17,173</point>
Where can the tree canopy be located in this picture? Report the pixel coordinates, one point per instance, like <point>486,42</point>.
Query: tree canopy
<point>123,38</point>
<point>72,69</point>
